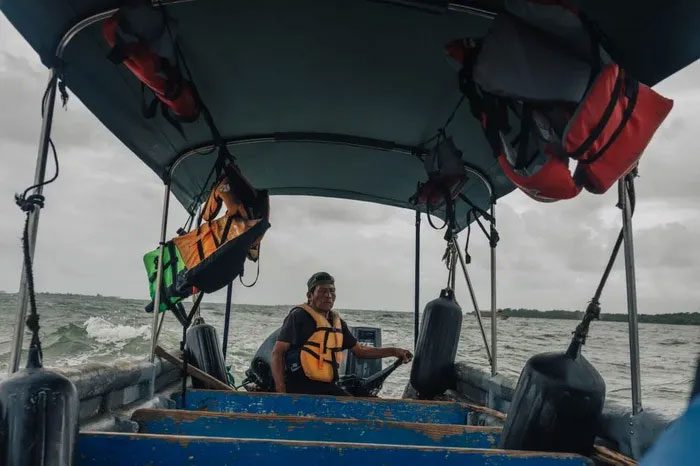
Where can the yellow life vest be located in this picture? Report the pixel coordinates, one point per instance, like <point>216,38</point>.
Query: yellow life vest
<point>321,354</point>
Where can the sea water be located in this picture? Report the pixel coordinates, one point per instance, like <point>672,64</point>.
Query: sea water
<point>79,329</point>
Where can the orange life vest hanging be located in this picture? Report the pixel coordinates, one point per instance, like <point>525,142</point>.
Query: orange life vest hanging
<point>139,38</point>
<point>213,254</point>
<point>591,111</point>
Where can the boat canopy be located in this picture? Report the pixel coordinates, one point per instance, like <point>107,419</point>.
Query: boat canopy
<point>324,97</point>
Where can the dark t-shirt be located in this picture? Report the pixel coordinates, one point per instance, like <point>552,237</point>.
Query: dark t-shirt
<point>298,326</point>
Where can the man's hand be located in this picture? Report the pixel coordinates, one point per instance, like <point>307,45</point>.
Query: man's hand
<point>403,354</point>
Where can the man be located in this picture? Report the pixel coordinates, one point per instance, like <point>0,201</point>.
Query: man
<point>311,340</point>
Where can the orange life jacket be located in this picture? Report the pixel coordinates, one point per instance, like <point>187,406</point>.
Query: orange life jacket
<point>201,242</point>
<point>321,353</point>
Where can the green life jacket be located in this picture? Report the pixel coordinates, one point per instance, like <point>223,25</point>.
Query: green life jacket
<point>173,265</point>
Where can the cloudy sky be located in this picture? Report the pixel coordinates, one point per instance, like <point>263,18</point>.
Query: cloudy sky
<point>104,212</point>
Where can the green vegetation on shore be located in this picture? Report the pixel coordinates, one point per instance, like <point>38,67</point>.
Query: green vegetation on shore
<point>676,318</point>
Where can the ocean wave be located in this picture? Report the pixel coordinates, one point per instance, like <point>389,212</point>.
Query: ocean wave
<point>106,332</point>
<point>673,342</point>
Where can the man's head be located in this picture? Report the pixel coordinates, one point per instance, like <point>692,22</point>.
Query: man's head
<point>321,291</point>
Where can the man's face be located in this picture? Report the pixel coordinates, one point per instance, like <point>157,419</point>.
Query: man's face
<point>323,297</point>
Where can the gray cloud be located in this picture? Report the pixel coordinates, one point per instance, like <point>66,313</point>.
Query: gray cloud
<point>104,212</point>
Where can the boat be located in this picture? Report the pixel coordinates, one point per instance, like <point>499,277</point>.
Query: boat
<point>358,92</point>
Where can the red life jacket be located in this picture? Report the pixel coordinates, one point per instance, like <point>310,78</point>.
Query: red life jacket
<point>552,182</point>
<point>140,40</point>
<point>599,115</point>
<point>611,128</point>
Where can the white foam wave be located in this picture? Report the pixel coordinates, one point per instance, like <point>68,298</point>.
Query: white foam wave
<point>106,332</point>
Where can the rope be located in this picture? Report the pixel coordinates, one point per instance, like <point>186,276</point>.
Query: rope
<point>449,259</point>
<point>593,309</point>
<point>28,204</point>
<point>33,319</point>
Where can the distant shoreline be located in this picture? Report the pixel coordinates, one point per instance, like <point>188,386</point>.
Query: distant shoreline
<point>676,318</point>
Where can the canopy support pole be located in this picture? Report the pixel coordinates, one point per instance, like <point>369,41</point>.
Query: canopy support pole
<point>631,298</point>
<point>494,329</point>
<point>227,318</point>
<point>455,246</point>
<point>416,297</point>
<point>39,175</point>
<point>159,271</point>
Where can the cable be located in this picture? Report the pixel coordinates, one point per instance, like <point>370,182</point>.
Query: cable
<point>446,124</point>
<point>257,275</point>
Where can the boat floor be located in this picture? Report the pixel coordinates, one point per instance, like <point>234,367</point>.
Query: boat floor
<point>214,428</point>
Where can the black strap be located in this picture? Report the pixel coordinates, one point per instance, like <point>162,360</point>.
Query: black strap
<point>179,311</point>
<point>200,249</point>
<point>227,227</point>
<point>165,111</point>
<point>478,209</point>
<point>490,111</point>
<point>326,334</point>
<point>117,54</point>
<point>631,92</point>
<point>316,356</point>
<point>318,345</point>
<point>148,110</point>
<point>173,259</point>
<point>598,129</point>
<point>217,241</point>
<point>334,365</point>
<point>330,329</point>
<point>523,159</point>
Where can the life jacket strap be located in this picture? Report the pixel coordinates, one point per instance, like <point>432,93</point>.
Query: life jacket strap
<point>631,89</point>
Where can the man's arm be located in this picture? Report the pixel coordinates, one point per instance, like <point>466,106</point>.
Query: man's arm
<point>370,352</point>
<point>278,352</point>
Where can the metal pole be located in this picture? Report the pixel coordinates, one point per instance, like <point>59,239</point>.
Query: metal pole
<point>631,298</point>
<point>453,272</point>
<point>160,325</point>
<point>416,298</point>
<point>453,263</point>
<point>159,271</point>
<point>494,329</point>
<point>227,318</point>
<point>473,297</point>
<point>39,175</point>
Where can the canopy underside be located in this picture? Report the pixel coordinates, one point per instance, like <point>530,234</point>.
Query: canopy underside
<point>358,69</point>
